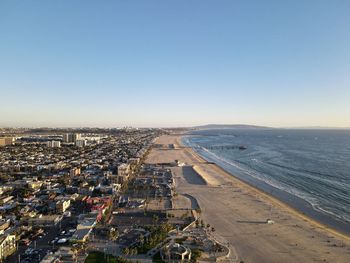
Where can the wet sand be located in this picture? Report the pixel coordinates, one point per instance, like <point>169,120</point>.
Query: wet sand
<point>238,211</point>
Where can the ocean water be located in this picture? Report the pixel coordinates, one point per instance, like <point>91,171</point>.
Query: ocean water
<point>312,167</point>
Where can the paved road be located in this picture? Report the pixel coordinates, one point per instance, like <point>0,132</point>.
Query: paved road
<point>40,244</point>
<point>43,245</point>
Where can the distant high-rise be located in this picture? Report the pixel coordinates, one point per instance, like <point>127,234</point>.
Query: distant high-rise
<point>6,141</point>
<point>71,137</point>
<point>76,136</point>
<point>68,137</point>
<point>53,144</point>
<point>80,143</point>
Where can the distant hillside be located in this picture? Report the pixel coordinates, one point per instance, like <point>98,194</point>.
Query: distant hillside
<point>230,126</point>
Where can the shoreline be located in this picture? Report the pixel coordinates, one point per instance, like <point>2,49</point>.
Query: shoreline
<point>270,196</point>
<point>239,212</point>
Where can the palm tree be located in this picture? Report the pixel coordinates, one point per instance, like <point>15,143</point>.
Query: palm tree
<point>155,219</point>
<point>126,251</point>
<point>142,239</point>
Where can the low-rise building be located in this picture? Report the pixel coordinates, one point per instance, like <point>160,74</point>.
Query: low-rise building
<point>123,173</point>
<point>63,254</point>
<point>176,253</point>
<point>51,258</point>
<point>5,199</point>
<point>4,224</point>
<point>4,189</point>
<point>75,171</point>
<point>62,205</point>
<point>134,161</point>
<point>81,235</point>
<point>7,246</point>
<point>35,184</point>
<point>87,223</point>
<point>45,220</point>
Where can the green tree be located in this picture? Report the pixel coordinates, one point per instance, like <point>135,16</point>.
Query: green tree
<point>155,219</point>
<point>142,239</point>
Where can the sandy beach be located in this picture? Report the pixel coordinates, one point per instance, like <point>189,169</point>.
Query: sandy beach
<point>238,212</point>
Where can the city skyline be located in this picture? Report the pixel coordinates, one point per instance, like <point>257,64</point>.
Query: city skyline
<point>163,64</point>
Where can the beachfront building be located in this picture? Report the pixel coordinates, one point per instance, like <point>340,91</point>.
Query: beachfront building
<point>175,253</point>
<point>123,173</point>
<point>7,246</point>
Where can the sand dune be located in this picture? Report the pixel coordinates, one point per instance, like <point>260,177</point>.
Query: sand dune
<point>204,170</point>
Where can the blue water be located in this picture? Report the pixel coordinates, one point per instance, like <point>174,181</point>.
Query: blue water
<point>313,165</point>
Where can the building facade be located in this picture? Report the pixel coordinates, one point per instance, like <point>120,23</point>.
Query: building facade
<point>75,171</point>
<point>62,205</point>
<point>4,141</point>
<point>54,144</point>
<point>7,246</point>
<point>80,143</point>
<point>123,173</point>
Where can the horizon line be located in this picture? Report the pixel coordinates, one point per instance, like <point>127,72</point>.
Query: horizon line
<point>170,127</point>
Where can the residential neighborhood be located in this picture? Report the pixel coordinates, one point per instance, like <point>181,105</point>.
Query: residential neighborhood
<point>53,194</point>
<point>63,201</point>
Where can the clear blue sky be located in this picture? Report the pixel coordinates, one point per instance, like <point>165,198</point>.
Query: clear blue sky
<point>169,63</point>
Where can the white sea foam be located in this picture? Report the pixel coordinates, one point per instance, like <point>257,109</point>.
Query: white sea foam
<point>244,172</point>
